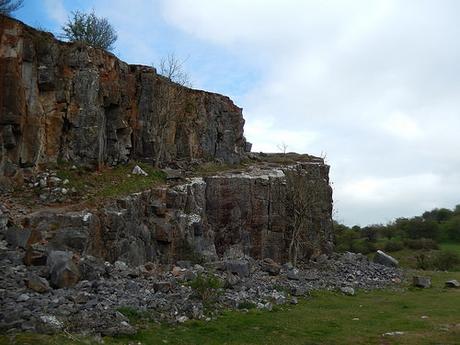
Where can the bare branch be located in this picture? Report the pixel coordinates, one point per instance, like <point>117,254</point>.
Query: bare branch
<point>282,147</point>
<point>9,6</point>
<point>173,69</point>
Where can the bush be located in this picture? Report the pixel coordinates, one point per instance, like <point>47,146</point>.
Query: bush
<point>206,287</point>
<point>446,260</point>
<point>246,305</point>
<point>423,262</point>
<point>363,247</point>
<point>452,228</point>
<point>90,29</point>
<point>422,243</point>
<point>342,248</point>
<point>393,246</point>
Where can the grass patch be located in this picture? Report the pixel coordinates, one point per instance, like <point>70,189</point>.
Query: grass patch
<point>426,316</point>
<point>91,186</point>
<point>134,315</point>
<point>212,168</point>
<point>451,246</point>
<point>111,181</point>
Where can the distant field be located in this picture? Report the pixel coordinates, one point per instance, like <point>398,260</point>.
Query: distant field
<point>429,316</point>
<point>455,247</point>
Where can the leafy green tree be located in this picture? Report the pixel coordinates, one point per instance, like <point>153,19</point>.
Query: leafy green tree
<point>418,227</point>
<point>90,29</point>
<point>438,214</point>
<point>339,228</point>
<point>372,232</point>
<point>457,210</point>
<point>452,228</point>
<point>390,231</point>
<point>9,6</point>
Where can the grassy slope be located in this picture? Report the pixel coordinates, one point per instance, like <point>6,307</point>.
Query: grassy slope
<point>407,257</point>
<point>327,318</point>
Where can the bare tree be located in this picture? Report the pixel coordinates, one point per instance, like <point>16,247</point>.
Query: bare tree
<point>303,200</point>
<point>9,6</point>
<point>90,29</point>
<point>172,98</point>
<point>172,68</point>
<point>282,147</point>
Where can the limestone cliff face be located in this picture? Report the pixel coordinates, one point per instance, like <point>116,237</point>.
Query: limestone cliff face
<point>76,103</point>
<point>248,213</point>
<point>73,102</point>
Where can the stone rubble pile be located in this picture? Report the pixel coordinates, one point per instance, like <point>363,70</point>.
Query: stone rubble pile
<point>48,186</point>
<point>93,293</point>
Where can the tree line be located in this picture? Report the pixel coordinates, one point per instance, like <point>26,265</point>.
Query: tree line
<point>420,232</point>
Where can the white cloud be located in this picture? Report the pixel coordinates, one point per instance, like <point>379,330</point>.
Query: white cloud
<point>374,84</point>
<point>362,199</point>
<point>402,126</point>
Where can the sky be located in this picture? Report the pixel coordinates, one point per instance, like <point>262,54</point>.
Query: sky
<point>372,86</point>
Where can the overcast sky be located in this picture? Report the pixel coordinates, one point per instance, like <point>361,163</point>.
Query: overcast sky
<point>372,85</point>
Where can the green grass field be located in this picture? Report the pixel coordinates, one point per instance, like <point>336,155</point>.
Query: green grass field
<point>430,316</point>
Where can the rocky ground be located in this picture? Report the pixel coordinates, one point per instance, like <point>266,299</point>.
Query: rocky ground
<point>106,293</point>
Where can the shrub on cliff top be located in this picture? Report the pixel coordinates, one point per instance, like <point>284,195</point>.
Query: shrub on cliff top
<point>90,29</point>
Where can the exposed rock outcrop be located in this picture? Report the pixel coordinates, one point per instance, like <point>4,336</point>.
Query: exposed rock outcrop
<point>74,102</point>
<point>224,215</point>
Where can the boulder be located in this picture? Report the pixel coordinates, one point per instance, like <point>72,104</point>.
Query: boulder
<point>91,268</point>
<point>172,174</point>
<point>270,266</point>
<point>231,280</point>
<point>239,267</point>
<point>188,275</point>
<point>184,263</point>
<point>163,286</point>
<point>385,259</point>
<point>18,237</point>
<point>120,265</point>
<point>62,269</point>
<point>347,290</point>
<point>293,274</point>
<point>137,170</point>
<point>421,282</point>
<point>36,255</point>
<point>176,271</point>
<point>452,284</point>
<point>37,283</point>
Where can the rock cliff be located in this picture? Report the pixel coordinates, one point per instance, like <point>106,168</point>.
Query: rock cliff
<point>74,102</point>
<point>248,213</point>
